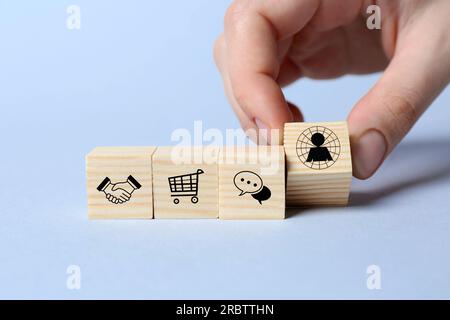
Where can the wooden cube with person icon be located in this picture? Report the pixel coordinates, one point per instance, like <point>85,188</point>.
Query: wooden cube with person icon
<point>318,163</point>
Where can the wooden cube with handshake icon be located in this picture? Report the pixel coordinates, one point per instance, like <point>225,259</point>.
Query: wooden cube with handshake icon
<point>119,192</point>
<point>119,182</point>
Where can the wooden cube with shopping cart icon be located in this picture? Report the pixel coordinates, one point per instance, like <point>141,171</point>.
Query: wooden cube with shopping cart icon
<point>185,182</point>
<point>185,185</point>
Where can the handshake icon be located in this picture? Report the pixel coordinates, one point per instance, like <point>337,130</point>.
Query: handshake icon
<point>120,192</point>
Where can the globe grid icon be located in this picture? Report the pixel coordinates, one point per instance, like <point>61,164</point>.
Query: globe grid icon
<point>318,148</point>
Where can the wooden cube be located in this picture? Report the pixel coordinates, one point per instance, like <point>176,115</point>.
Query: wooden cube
<point>318,162</point>
<point>119,183</point>
<point>252,183</point>
<point>185,182</point>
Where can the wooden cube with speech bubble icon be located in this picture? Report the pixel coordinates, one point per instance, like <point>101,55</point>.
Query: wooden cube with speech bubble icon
<point>252,182</point>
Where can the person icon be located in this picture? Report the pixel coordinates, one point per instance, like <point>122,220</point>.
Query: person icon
<point>318,153</point>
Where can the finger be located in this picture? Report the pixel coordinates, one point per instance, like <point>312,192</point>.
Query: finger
<point>246,123</point>
<point>385,115</point>
<point>220,58</point>
<point>113,199</point>
<point>125,195</point>
<point>252,32</point>
<point>289,72</point>
<point>124,198</point>
<point>296,113</point>
<point>124,192</point>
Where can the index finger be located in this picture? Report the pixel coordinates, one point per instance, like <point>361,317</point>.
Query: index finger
<point>252,31</point>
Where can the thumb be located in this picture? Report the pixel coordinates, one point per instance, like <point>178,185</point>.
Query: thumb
<point>381,119</point>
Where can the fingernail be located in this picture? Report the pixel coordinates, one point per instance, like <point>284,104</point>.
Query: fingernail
<point>369,152</point>
<point>260,124</point>
<point>263,132</point>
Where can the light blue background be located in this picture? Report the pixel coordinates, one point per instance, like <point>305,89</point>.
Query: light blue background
<point>136,71</point>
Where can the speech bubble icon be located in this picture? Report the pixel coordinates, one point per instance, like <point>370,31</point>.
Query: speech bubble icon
<point>248,182</point>
<point>263,195</point>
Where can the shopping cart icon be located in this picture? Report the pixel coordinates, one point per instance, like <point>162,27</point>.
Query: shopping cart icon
<point>185,186</point>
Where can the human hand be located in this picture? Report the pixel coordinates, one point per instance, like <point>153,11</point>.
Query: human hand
<point>115,194</point>
<point>124,186</point>
<point>268,44</point>
<point>121,192</point>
